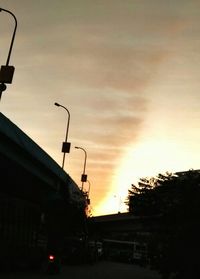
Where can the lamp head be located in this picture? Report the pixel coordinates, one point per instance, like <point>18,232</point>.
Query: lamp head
<point>77,147</point>
<point>56,104</point>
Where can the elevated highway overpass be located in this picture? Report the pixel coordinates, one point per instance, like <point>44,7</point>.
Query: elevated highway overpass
<point>122,225</point>
<point>27,170</point>
<point>41,206</point>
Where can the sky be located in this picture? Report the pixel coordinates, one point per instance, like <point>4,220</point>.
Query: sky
<point>128,71</point>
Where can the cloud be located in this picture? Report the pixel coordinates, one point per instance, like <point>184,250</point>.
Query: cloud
<point>100,59</point>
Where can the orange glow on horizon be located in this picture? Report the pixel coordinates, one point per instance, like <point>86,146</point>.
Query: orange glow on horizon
<point>147,159</point>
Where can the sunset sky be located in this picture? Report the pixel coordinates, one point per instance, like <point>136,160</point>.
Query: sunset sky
<point>129,73</point>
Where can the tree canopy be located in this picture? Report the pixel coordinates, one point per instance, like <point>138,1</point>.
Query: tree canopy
<point>177,193</point>
<point>176,199</point>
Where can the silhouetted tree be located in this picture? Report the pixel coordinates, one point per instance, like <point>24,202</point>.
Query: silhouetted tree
<point>176,198</point>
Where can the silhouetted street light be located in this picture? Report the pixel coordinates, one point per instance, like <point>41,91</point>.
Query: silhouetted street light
<point>88,187</point>
<point>66,145</point>
<point>84,175</point>
<point>7,72</point>
<point>88,193</point>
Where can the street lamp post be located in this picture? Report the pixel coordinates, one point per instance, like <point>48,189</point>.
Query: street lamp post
<point>84,175</point>
<point>88,193</point>
<point>7,72</point>
<point>66,145</point>
<point>88,187</point>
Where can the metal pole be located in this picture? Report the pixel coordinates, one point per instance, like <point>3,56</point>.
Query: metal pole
<point>7,71</point>
<point>84,166</point>
<point>88,187</point>
<point>13,36</point>
<point>67,130</point>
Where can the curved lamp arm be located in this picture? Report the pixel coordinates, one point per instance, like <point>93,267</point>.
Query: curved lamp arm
<point>13,36</point>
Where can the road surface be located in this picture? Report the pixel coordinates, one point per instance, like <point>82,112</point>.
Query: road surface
<point>100,270</point>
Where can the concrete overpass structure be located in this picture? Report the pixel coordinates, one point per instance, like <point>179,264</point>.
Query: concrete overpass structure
<point>27,170</point>
<point>40,204</point>
<point>122,226</point>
